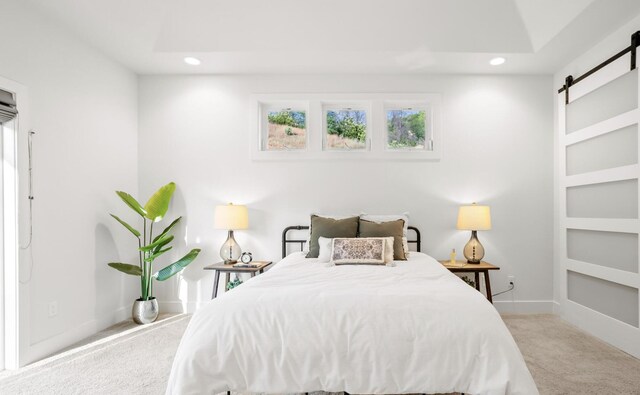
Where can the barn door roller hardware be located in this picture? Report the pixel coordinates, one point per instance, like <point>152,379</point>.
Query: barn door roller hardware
<point>570,81</point>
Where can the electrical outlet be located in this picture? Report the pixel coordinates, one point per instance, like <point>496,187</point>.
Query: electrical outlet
<point>512,280</point>
<point>53,309</point>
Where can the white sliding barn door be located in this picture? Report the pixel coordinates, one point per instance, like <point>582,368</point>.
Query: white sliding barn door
<point>598,203</point>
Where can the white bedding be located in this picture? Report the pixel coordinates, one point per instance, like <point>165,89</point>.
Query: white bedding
<point>304,326</point>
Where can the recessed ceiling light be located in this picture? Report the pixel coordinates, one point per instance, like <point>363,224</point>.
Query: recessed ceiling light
<point>192,61</point>
<point>497,61</point>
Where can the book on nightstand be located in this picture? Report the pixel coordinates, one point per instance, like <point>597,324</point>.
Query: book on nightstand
<point>247,265</point>
<point>251,265</point>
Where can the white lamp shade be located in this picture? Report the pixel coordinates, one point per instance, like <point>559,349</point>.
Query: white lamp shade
<point>474,217</point>
<point>231,217</point>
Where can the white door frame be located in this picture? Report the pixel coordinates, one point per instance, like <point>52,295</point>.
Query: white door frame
<point>12,302</point>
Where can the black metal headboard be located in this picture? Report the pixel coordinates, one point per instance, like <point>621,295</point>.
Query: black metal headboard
<point>417,241</point>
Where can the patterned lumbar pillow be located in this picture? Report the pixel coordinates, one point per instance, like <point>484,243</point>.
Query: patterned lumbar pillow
<point>358,251</point>
<point>326,246</point>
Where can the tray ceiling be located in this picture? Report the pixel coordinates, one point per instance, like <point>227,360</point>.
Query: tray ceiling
<point>340,36</point>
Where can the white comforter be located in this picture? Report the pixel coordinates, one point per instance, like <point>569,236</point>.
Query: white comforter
<point>304,326</point>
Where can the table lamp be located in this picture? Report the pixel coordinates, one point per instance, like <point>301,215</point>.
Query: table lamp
<point>231,217</point>
<point>474,218</point>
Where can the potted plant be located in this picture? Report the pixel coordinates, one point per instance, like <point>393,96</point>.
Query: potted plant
<point>145,308</point>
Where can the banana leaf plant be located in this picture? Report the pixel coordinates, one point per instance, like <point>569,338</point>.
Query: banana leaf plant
<point>150,247</point>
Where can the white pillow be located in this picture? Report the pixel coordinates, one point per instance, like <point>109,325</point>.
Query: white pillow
<point>325,243</point>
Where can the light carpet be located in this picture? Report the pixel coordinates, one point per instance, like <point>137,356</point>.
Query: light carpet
<point>565,360</point>
<point>561,358</point>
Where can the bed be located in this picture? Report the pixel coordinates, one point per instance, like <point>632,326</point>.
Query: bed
<point>306,326</point>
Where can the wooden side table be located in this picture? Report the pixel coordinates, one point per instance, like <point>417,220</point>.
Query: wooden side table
<point>220,267</point>
<point>476,268</point>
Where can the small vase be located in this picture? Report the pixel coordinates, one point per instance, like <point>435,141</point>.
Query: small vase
<point>145,311</point>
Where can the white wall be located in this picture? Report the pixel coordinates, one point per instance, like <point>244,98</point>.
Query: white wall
<point>623,335</point>
<point>497,136</point>
<point>83,107</point>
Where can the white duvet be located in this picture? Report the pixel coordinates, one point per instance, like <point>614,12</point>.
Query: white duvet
<point>304,326</point>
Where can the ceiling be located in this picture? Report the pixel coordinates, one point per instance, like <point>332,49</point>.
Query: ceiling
<point>340,36</point>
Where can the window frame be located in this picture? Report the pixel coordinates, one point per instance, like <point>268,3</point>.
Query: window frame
<point>374,104</point>
<point>16,307</point>
<point>348,106</point>
<point>266,108</point>
<point>428,135</point>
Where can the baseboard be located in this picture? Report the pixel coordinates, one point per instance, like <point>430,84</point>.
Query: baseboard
<point>619,334</point>
<point>56,343</point>
<point>557,308</point>
<point>177,307</point>
<point>524,306</point>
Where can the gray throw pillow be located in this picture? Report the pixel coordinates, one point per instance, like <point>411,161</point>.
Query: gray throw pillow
<point>330,228</point>
<point>393,229</point>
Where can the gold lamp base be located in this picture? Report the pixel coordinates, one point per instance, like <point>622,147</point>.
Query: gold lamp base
<point>473,251</point>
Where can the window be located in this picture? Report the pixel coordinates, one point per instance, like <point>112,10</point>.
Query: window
<point>286,129</point>
<point>345,129</point>
<point>407,128</point>
<point>346,126</point>
<point>11,349</point>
